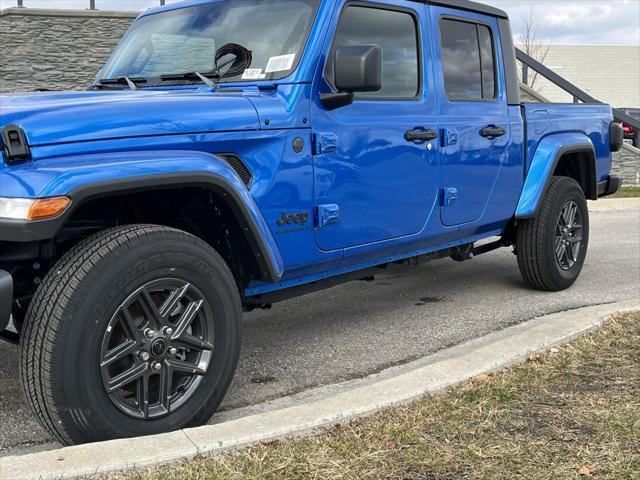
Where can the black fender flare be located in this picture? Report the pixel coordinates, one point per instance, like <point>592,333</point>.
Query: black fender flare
<point>241,204</point>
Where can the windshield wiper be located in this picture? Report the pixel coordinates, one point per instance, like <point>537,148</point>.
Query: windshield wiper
<point>210,79</point>
<point>130,82</point>
<point>206,78</point>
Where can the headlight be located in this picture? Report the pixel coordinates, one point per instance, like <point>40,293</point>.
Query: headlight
<point>32,209</point>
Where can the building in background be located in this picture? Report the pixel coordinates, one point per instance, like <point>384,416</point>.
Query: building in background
<point>64,49</point>
<point>610,74</point>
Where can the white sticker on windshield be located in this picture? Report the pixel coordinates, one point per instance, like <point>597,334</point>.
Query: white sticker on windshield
<point>280,63</point>
<point>253,74</point>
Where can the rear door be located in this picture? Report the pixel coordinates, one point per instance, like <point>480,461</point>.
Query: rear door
<point>374,180</point>
<point>473,115</point>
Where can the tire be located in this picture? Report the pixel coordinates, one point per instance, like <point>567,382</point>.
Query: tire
<point>538,237</point>
<point>93,317</point>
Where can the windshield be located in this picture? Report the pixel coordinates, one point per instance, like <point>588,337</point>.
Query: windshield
<point>191,39</point>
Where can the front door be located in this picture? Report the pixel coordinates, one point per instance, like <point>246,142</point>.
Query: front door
<point>473,113</point>
<point>376,172</point>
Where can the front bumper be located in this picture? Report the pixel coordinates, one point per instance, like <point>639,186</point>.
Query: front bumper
<point>6,298</point>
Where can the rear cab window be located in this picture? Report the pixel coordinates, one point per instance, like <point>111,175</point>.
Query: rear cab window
<point>396,32</point>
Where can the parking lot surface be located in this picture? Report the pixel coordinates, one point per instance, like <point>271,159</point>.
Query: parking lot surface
<point>360,328</point>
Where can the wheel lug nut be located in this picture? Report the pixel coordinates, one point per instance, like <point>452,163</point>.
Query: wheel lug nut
<point>149,333</point>
<point>167,330</point>
<point>156,366</point>
<point>144,356</point>
<point>173,351</point>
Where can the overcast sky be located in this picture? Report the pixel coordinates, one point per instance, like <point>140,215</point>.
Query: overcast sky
<point>609,22</point>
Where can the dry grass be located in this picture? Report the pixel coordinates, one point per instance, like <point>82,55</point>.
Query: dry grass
<point>571,413</point>
<point>627,192</point>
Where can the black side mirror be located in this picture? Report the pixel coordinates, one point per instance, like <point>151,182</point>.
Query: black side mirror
<point>359,69</point>
<point>356,69</point>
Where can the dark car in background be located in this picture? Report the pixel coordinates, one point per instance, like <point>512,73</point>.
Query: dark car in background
<point>631,133</point>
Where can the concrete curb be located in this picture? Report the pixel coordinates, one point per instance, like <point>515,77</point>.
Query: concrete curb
<point>429,375</point>
<point>611,204</point>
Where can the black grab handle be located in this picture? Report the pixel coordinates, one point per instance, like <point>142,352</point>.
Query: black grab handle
<point>493,132</point>
<point>420,135</point>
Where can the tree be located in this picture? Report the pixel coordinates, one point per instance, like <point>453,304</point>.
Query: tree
<point>528,40</point>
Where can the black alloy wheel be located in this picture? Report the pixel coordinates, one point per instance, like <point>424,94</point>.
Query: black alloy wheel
<point>157,348</point>
<point>135,331</point>
<point>552,246</point>
<point>568,241</point>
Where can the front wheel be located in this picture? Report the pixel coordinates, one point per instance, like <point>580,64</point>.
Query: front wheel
<point>135,331</point>
<point>552,246</point>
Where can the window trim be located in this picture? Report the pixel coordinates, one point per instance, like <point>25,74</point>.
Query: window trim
<point>419,39</point>
<point>496,89</point>
<point>495,61</point>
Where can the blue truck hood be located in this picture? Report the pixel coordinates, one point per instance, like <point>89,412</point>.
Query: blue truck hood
<point>52,118</point>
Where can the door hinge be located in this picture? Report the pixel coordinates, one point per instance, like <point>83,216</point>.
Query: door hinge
<point>448,137</point>
<point>448,196</point>
<point>327,215</point>
<point>324,142</point>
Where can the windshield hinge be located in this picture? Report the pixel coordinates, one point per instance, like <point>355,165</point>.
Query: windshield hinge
<point>267,86</point>
<point>16,148</point>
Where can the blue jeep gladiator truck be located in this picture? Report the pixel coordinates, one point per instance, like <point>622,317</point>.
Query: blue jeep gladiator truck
<point>234,153</point>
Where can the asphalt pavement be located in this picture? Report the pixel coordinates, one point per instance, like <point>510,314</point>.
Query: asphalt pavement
<point>361,328</point>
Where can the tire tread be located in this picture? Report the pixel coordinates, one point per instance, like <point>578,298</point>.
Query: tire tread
<point>43,322</point>
<point>532,235</point>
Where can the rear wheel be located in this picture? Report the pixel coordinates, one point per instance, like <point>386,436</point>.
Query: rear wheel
<point>552,246</point>
<point>135,331</point>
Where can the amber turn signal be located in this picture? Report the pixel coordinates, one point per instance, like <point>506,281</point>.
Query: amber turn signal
<point>47,208</point>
